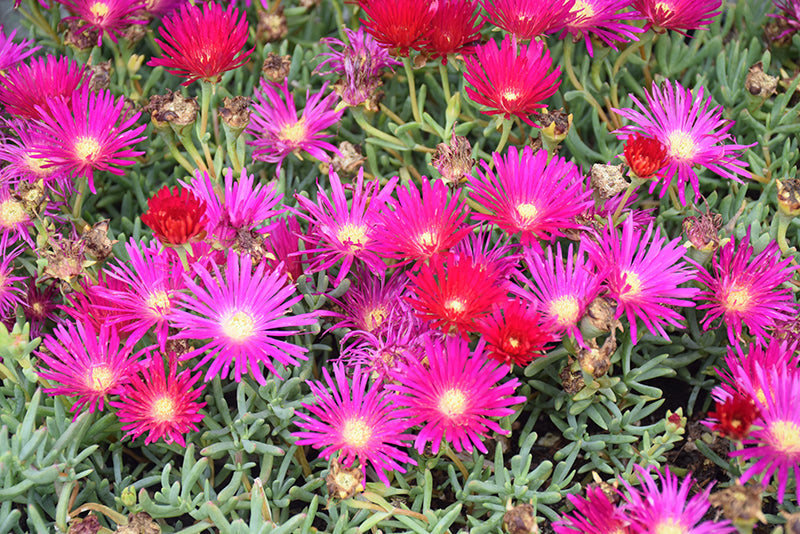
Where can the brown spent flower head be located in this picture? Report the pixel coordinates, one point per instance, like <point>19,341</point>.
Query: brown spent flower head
<point>599,318</point>
<point>272,26</point>
<point>100,75</point>
<point>789,196</point>
<point>140,523</point>
<point>66,258</point>
<point>342,482</point>
<point>348,161</point>
<point>792,522</point>
<point>702,231</point>
<point>555,125</point>
<point>759,83</point>
<point>596,360</point>
<point>454,162</point>
<point>607,180</point>
<point>235,112</point>
<point>80,37</point>
<point>87,525</point>
<point>97,242</point>
<point>276,67</point>
<point>740,504</point>
<point>520,519</point>
<point>30,194</point>
<point>178,111</point>
<point>571,377</point>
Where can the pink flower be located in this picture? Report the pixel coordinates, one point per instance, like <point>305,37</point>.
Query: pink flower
<point>399,24</point>
<point>678,15</point>
<point>594,514</point>
<point>107,17</point>
<point>604,19</point>
<point>527,19</point>
<point>11,53</point>
<point>25,89</point>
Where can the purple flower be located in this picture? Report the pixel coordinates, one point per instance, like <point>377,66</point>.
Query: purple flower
<point>604,19</point>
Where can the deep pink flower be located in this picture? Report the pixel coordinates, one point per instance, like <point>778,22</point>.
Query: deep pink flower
<point>746,290</point>
<point>18,152</point>
<point>605,19</point>
<point>201,43</point>
<point>355,420</point>
<point>693,135</point>
<point>25,89</point>
<point>284,248</point>
<point>11,53</point>
<point>455,397</point>
<point>642,273</point>
<point>399,24</point>
<point>529,195</point>
<point>40,305</point>
<point>678,15</point>
<point>514,332</point>
<point>107,17</point>
<point>790,16</point>
<point>277,131</point>
<point>594,514</point>
<point>160,403</point>
<point>511,79</point>
<point>527,19</point>
<point>455,27</point>
<point>86,363</point>
<point>93,132</point>
<point>10,294</point>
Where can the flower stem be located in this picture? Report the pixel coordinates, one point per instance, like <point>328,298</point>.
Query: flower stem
<point>362,121</point>
<point>456,460</point>
<point>202,134</point>
<point>635,183</point>
<point>445,82</point>
<point>569,48</point>
<point>412,89</point>
<point>783,225</point>
<point>77,204</point>
<point>506,132</point>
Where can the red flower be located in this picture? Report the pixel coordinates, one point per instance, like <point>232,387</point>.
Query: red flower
<point>734,416</point>
<point>454,28</point>
<point>397,24</point>
<point>452,293</point>
<point>514,333</point>
<point>175,216</point>
<point>511,80</point>
<point>202,43</point>
<point>645,155</point>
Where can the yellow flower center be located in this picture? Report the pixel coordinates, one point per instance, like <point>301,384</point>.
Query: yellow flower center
<point>514,342</point>
<point>294,133</point>
<point>375,318</point>
<point>527,213</point>
<point>737,299</point>
<point>455,305</point>
<point>669,526</point>
<point>163,409</point>
<point>582,9</point>
<point>452,403</point>
<point>238,327</point>
<point>99,9</point>
<point>100,378</point>
<point>786,435</point>
<point>86,148</point>
<point>11,213</point>
<point>355,236</point>
<point>426,239</point>
<point>511,95</point>
<point>681,145</point>
<point>632,279</point>
<point>36,165</point>
<point>356,433</point>
<point>566,308</point>
<point>158,302</point>
<point>664,7</point>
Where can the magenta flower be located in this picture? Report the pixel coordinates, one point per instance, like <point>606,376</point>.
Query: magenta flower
<point>594,514</point>
<point>528,195</point>
<point>527,19</point>
<point>339,232</point>
<point>93,132</point>
<point>399,24</point>
<point>11,53</point>
<point>370,301</point>
<point>160,403</point>
<point>669,508</point>
<point>278,132</point>
<point>284,248</point>
<point>40,305</point>
<point>642,273</point>
<point>790,15</point>
<point>355,420</point>
<point>746,290</point>
<point>511,79</point>
<point>740,365</point>
<point>563,292</point>
<point>418,225</point>
<point>25,89</point>
<point>605,19</point>
<point>455,397</point>
<point>678,15</point>
<point>107,17</point>
<point>498,257</point>
<point>86,363</point>
<point>202,43</point>
<point>15,221</point>
<point>243,314</point>
<point>17,151</point>
<point>693,134</point>
<point>10,294</point>
<point>774,440</point>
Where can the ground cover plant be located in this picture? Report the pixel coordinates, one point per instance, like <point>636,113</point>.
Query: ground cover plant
<point>400,266</point>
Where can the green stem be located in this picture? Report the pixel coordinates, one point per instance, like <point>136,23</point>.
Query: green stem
<point>188,144</point>
<point>569,48</point>
<point>456,460</point>
<point>506,132</point>
<point>183,162</point>
<point>36,18</point>
<point>412,89</point>
<point>445,82</point>
<point>77,204</point>
<point>202,134</point>
<point>635,182</point>
<point>340,25</point>
<point>630,49</point>
<point>362,121</point>
<point>783,225</point>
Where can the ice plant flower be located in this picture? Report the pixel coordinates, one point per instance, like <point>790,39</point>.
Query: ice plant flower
<point>593,514</point>
<point>88,364</point>
<point>678,15</point>
<point>455,396</point>
<point>528,195</point>
<point>277,131</point>
<point>397,24</point>
<point>733,417</point>
<point>511,79</point>
<point>562,290</point>
<point>355,420</point>
<point>243,314</point>
<point>420,224</point>
<point>371,301</point>
<point>202,43</point>
<point>13,53</point>
<point>605,19</point>
<point>283,247</point>
<point>774,442</point>
<point>107,17</point>
<point>496,256</point>
<point>452,293</point>
<point>25,89</point>
<point>694,135</point>
<point>514,332</point>
<point>10,294</point>
<point>746,290</point>
<point>342,232</point>
<point>39,305</point>
<point>643,273</point>
<point>160,403</point>
<point>789,16</point>
<point>527,19</point>
<point>666,506</point>
<point>15,221</point>
<point>93,132</point>
<point>644,155</point>
<point>176,216</point>
<point>454,28</point>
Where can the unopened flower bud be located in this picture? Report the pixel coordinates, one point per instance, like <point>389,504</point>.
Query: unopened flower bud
<point>272,26</point>
<point>607,180</point>
<point>740,504</point>
<point>276,67</point>
<point>554,127</point>
<point>128,496</point>
<point>173,108</point>
<point>676,422</point>
<point>343,483</point>
<point>520,519</point>
<point>454,162</point>
<point>789,196</point>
